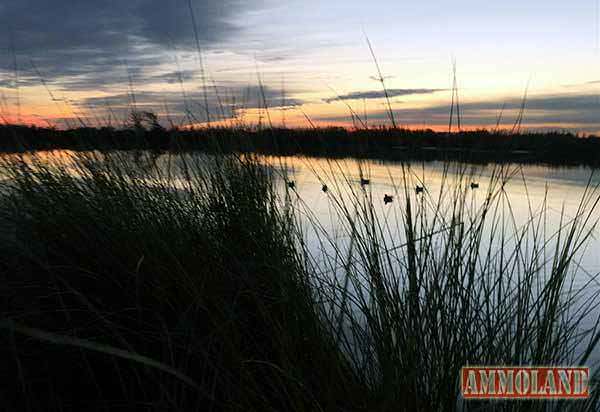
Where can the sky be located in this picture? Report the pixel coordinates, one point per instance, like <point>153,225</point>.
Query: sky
<point>68,62</point>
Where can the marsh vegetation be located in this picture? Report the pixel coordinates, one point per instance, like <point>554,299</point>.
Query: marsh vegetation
<point>206,283</point>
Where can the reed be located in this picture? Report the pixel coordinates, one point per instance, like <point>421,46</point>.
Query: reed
<point>186,282</point>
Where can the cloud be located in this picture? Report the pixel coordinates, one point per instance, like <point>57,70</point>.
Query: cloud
<point>568,109</point>
<point>192,104</point>
<point>88,43</point>
<point>378,94</point>
<point>547,103</point>
<point>8,81</point>
<point>174,77</point>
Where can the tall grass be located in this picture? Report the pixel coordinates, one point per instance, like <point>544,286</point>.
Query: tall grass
<point>202,278</point>
<point>189,283</point>
<point>467,285</point>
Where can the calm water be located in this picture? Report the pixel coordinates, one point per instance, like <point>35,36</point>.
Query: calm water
<point>530,190</point>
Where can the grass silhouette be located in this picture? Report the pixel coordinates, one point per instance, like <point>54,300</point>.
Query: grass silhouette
<point>185,282</point>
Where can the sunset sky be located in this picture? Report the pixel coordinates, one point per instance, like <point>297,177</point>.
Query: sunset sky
<point>97,59</point>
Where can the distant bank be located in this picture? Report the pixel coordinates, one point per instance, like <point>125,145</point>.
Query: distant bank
<point>557,148</point>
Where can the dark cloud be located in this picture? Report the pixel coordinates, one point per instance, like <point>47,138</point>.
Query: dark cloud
<point>548,103</point>
<point>174,77</point>
<point>95,40</point>
<point>378,94</point>
<point>568,109</point>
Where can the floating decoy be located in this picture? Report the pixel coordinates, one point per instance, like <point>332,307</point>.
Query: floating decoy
<point>291,184</point>
<point>419,189</point>
<point>364,182</point>
<point>474,185</point>
<point>324,188</point>
<point>388,199</point>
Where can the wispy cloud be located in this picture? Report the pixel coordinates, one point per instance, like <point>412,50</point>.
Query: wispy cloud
<point>192,104</point>
<point>379,94</point>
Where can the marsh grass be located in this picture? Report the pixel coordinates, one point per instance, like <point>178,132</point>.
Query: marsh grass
<point>202,278</point>
<point>188,283</point>
<point>467,285</point>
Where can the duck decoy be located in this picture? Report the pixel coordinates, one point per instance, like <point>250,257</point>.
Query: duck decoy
<point>291,184</point>
<point>474,185</point>
<point>324,188</point>
<point>364,182</point>
<point>388,199</point>
<point>419,189</point>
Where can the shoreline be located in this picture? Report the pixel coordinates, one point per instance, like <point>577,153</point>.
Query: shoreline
<point>382,144</point>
